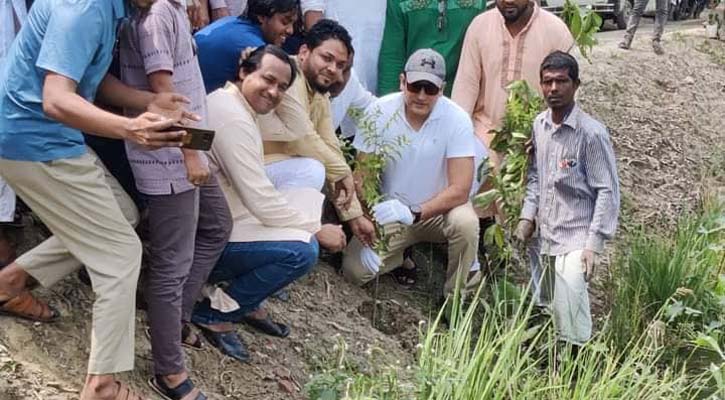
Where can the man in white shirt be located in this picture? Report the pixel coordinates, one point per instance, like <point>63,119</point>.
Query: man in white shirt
<point>426,188</point>
<point>365,24</point>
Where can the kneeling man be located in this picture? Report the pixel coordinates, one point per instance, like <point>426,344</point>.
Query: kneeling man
<point>426,188</point>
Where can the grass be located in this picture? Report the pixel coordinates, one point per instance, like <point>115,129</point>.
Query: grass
<point>664,338</point>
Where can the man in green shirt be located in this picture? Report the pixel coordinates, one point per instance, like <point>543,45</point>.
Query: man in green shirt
<point>415,24</point>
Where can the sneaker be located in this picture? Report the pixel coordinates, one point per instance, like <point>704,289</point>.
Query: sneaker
<point>657,47</point>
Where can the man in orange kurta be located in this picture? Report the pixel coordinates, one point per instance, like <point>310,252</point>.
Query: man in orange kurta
<point>501,46</point>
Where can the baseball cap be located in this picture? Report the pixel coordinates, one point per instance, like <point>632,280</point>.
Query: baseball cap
<point>426,65</point>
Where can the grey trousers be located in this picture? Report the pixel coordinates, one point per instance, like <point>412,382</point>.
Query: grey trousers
<point>638,10</point>
<point>187,234</point>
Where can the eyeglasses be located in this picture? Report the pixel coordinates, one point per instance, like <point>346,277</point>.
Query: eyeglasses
<point>429,88</point>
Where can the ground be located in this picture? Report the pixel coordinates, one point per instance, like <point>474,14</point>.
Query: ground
<point>664,115</point>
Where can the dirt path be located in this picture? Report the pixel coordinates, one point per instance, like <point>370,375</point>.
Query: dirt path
<point>665,117</point>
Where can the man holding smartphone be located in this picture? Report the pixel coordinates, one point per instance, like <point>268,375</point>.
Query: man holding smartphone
<point>55,68</point>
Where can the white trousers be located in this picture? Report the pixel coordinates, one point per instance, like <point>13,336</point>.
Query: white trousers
<point>563,289</point>
<point>7,202</point>
<point>295,173</point>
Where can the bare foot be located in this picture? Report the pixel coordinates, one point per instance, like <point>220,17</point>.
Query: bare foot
<point>12,281</point>
<point>105,387</point>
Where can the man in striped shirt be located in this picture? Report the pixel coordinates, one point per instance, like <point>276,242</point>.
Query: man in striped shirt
<point>573,195</point>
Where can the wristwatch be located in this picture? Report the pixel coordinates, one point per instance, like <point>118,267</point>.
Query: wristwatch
<point>416,210</point>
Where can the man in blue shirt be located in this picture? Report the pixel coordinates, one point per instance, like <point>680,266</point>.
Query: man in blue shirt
<point>53,71</point>
<point>221,43</point>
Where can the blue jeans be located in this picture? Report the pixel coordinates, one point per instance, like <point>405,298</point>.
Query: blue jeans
<point>254,271</point>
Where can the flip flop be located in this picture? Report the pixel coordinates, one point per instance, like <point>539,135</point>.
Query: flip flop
<point>26,306</point>
<point>177,393</point>
<point>125,393</point>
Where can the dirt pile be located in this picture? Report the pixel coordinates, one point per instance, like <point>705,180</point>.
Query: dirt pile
<point>665,117</point>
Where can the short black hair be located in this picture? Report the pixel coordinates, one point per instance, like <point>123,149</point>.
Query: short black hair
<point>267,8</point>
<point>561,60</point>
<point>326,29</point>
<point>254,60</point>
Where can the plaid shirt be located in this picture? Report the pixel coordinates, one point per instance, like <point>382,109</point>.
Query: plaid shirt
<point>572,188</point>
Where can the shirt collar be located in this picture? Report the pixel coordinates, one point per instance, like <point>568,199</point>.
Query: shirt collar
<point>571,120</point>
<point>234,89</point>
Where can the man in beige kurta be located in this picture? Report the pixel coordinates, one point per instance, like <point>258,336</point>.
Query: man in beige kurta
<point>492,58</point>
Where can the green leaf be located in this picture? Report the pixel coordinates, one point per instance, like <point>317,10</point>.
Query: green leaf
<point>485,199</point>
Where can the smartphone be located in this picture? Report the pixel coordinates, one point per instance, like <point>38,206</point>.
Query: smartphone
<point>196,138</point>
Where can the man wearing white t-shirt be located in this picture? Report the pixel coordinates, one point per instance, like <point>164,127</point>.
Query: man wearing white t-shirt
<point>426,188</point>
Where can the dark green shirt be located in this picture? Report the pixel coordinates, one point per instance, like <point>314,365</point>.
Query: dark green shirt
<point>414,24</point>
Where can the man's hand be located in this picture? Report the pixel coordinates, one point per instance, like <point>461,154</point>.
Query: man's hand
<point>524,230</point>
<point>331,237</point>
<point>145,130</point>
<point>588,260</point>
<point>393,211</point>
<point>197,171</point>
<point>197,15</point>
<point>218,13</point>
<point>173,106</point>
<point>370,260</point>
<point>363,229</point>
<point>344,192</point>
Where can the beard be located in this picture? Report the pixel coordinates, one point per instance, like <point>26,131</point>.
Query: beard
<point>511,18</point>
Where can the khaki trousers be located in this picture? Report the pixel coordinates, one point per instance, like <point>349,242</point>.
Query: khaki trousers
<point>458,228</point>
<point>87,213</point>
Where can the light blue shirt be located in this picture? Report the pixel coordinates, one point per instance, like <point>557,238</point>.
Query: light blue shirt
<point>73,38</point>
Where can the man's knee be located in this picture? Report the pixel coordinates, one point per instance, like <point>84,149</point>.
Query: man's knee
<point>463,222</point>
<point>315,173</point>
<point>353,270</point>
<point>307,258</point>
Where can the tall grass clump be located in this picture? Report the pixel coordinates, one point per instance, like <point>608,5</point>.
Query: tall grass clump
<point>670,282</point>
<point>489,353</point>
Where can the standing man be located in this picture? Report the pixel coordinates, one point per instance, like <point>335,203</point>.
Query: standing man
<point>573,194</point>
<point>54,70</point>
<point>439,145</point>
<point>412,25</point>
<point>189,221</point>
<point>660,21</point>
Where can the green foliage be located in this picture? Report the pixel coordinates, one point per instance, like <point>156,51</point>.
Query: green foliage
<point>372,166</point>
<point>582,27</point>
<point>676,279</point>
<point>490,353</point>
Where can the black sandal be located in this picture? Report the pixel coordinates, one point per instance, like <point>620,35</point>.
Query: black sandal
<point>177,393</point>
<point>406,276</point>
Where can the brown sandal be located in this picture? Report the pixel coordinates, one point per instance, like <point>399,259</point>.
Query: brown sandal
<point>125,393</point>
<point>26,306</point>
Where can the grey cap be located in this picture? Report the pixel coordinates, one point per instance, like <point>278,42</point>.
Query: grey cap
<point>426,65</point>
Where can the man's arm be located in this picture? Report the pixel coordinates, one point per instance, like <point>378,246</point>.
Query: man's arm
<point>460,176</point>
<point>62,103</point>
<point>392,50</point>
<point>469,77</point>
<point>601,175</point>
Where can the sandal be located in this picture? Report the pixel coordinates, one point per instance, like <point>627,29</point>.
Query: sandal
<point>404,275</point>
<point>125,393</point>
<point>26,306</point>
<point>177,393</point>
<point>197,344</point>
<point>228,343</point>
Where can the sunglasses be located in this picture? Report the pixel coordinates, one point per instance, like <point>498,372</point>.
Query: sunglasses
<point>429,88</point>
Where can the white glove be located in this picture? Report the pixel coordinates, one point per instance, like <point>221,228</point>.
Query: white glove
<point>393,211</point>
<point>370,260</point>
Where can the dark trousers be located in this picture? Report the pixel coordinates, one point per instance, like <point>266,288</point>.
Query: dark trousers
<point>187,233</point>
